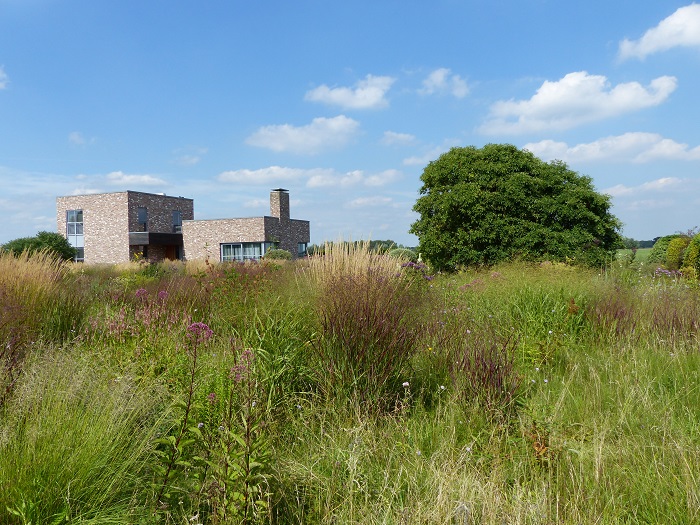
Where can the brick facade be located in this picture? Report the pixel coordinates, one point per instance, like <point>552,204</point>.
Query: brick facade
<point>203,238</point>
<point>112,232</point>
<point>109,218</point>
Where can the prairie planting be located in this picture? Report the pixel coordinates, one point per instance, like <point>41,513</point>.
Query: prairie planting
<point>350,387</point>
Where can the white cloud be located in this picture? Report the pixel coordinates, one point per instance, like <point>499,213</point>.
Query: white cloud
<point>681,29</point>
<point>121,178</point>
<point>427,157</point>
<point>628,147</point>
<point>367,94</point>
<point>442,81</point>
<point>391,138</point>
<point>664,184</point>
<point>4,79</point>
<point>270,175</point>
<point>576,99</point>
<point>332,179</point>
<point>383,178</point>
<point>364,202</point>
<point>313,138</point>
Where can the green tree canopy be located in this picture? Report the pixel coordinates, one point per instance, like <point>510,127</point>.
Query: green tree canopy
<point>482,206</point>
<point>48,241</point>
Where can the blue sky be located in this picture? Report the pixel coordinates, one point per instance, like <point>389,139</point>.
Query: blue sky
<point>343,103</point>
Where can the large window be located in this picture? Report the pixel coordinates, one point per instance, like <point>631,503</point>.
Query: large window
<point>245,251</point>
<point>302,249</point>
<point>74,232</point>
<point>142,219</point>
<point>177,221</point>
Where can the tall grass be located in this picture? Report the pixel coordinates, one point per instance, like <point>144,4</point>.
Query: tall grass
<point>349,389</point>
<point>74,442</point>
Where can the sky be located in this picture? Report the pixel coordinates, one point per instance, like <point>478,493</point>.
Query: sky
<point>343,103</point>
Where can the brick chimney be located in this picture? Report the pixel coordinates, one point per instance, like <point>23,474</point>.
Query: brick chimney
<point>279,204</point>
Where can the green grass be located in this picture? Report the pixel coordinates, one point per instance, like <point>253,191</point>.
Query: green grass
<point>603,424</point>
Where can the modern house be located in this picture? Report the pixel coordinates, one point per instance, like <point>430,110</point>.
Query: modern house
<point>118,227</point>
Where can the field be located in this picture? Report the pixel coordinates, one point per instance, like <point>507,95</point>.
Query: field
<point>347,388</point>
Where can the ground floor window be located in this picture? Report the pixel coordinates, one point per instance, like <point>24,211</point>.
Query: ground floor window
<point>302,248</point>
<point>244,251</point>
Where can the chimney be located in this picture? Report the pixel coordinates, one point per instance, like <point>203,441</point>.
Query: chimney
<point>279,204</point>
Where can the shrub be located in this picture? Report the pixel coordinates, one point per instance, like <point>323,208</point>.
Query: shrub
<point>691,256</point>
<point>404,253</point>
<point>278,255</point>
<point>675,251</point>
<point>50,242</point>
<point>658,252</point>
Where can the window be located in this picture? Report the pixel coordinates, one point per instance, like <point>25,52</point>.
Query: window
<point>244,251</point>
<point>301,249</point>
<point>74,232</point>
<point>177,221</point>
<point>142,219</point>
<point>231,252</point>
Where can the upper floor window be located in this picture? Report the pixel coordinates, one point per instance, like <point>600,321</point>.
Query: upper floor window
<point>142,218</point>
<point>74,232</point>
<point>177,221</point>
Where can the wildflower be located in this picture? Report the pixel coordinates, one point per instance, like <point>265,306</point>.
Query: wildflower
<point>546,380</point>
<point>405,384</point>
<point>199,332</point>
<point>550,332</point>
<point>200,425</point>
<point>141,293</point>
<point>162,295</point>
<point>212,398</point>
<point>417,452</point>
<point>442,387</point>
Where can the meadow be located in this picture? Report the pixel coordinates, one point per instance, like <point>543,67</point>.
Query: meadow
<point>348,388</point>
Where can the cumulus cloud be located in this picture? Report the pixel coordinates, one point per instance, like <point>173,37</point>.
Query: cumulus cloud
<point>681,29</point>
<point>391,138</point>
<point>369,93</point>
<point>428,156</point>
<point>663,184</point>
<point>332,179</point>
<point>4,79</point>
<point>629,147</point>
<point>364,202</point>
<point>576,99</point>
<point>320,134</point>
<point>121,178</point>
<point>443,81</point>
<point>271,175</point>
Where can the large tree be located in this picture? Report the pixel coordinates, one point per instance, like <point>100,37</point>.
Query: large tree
<point>483,206</point>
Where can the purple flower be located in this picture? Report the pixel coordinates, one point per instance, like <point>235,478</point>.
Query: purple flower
<point>199,332</point>
<point>141,293</point>
<point>162,295</point>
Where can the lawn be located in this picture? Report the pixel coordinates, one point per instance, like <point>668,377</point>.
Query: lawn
<point>347,388</point>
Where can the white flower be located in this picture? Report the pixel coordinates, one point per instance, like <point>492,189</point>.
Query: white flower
<point>405,384</point>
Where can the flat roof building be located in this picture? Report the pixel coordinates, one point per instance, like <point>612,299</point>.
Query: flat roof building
<point>123,226</point>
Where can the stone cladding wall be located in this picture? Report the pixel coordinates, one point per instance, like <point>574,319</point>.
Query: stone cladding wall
<point>109,217</point>
<point>202,239</point>
<point>105,225</point>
